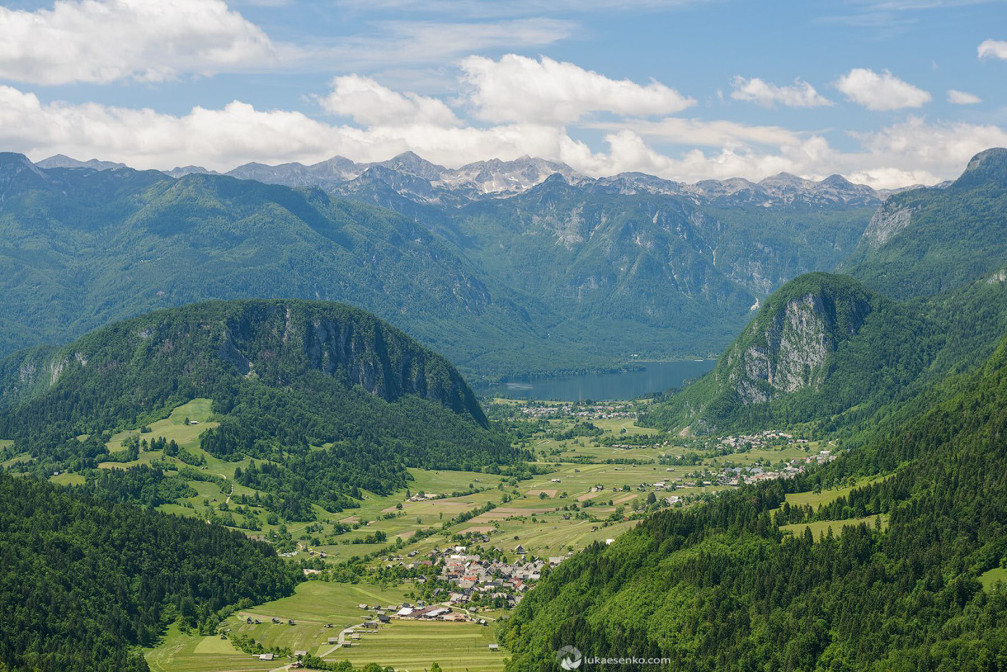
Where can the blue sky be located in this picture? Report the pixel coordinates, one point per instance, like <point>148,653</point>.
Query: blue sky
<point>885,92</point>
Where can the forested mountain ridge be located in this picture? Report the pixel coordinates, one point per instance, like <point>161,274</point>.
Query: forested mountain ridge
<point>641,269</point>
<point>839,379</point>
<point>276,342</point>
<point>85,581</point>
<point>332,398</point>
<point>790,366</point>
<point>926,241</point>
<point>720,586</point>
<point>554,272</point>
<point>82,248</point>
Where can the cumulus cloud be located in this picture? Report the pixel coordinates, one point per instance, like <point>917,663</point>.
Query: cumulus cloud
<point>370,103</point>
<point>993,49</point>
<point>957,97</point>
<point>755,90</point>
<point>108,40</point>
<point>388,122</point>
<point>237,133</point>
<point>521,89</point>
<point>924,152</point>
<point>880,92</point>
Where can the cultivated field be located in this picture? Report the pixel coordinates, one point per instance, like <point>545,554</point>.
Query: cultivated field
<point>596,477</point>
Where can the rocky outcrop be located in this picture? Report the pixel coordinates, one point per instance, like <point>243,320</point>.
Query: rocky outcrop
<point>211,346</point>
<point>889,219</point>
<point>786,347</point>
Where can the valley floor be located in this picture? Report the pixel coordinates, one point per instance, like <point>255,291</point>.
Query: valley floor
<point>471,543</point>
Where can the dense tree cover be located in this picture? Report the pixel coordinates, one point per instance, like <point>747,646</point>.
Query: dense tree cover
<point>954,235</point>
<point>719,587</point>
<point>646,272</point>
<point>895,354</point>
<point>562,277</point>
<point>85,248</point>
<point>143,485</point>
<point>84,580</point>
<point>328,397</point>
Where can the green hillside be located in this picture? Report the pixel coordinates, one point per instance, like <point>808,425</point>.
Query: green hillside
<point>826,351</point>
<point>324,398</point>
<point>81,249</point>
<point>84,582</point>
<point>721,586</point>
<point>926,241</point>
<point>561,277</point>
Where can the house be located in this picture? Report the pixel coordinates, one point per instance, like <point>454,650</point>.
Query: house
<point>333,640</point>
<point>300,654</point>
<point>403,612</point>
<point>384,619</point>
<point>494,647</point>
<point>265,656</point>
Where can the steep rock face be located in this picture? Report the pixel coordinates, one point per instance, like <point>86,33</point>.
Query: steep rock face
<point>196,349</point>
<point>785,349</point>
<point>891,218</point>
<point>925,241</point>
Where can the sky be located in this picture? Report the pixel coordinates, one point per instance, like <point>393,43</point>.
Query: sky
<point>885,92</point>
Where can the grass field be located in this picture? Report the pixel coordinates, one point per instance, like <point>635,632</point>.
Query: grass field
<point>403,644</point>
<point>821,527</point>
<point>173,428</point>
<point>816,499</point>
<point>192,653</point>
<point>414,645</point>
<point>65,478</point>
<point>991,578</point>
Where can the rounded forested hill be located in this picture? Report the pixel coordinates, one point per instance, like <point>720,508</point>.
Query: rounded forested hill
<point>282,374</point>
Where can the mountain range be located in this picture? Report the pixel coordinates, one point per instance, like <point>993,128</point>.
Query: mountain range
<point>887,558</point>
<point>509,268</point>
<point>926,297</point>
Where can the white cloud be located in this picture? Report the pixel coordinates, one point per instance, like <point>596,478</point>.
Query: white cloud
<point>993,49</point>
<point>521,89</point>
<point>370,103</point>
<point>924,153</point>
<point>957,97</point>
<point>680,149</point>
<point>880,92</point>
<point>696,132</point>
<point>756,90</point>
<point>237,133</point>
<point>422,42</point>
<point>108,40</point>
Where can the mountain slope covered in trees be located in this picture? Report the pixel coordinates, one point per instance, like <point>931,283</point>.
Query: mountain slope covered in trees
<point>84,581</point>
<point>926,241</point>
<point>328,397</point>
<point>720,586</point>
<point>802,361</point>
<point>83,248</point>
<point>556,275</point>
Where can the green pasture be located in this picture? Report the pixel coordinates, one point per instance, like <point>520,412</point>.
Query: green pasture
<point>822,527</point>
<point>415,645</point>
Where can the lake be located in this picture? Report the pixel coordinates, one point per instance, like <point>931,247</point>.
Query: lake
<point>649,378</point>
